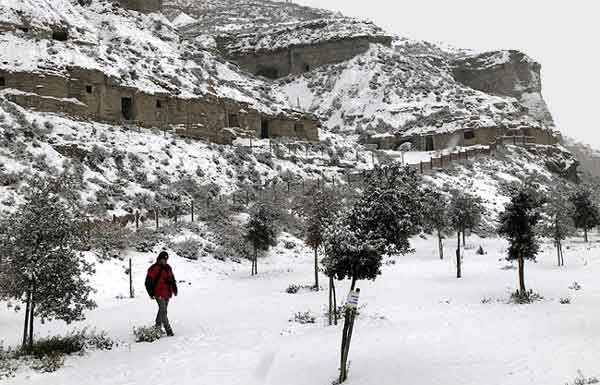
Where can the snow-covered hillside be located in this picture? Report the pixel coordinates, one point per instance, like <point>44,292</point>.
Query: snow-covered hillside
<point>216,16</point>
<point>135,50</point>
<point>408,88</point>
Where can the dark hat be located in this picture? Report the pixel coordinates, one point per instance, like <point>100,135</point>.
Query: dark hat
<point>162,255</point>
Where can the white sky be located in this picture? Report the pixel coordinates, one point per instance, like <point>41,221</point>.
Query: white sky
<point>562,35</point>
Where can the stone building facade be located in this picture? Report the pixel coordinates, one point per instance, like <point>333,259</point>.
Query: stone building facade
<point>466,137</point>
<point>301,58</point>
<point>93,95</point>
<point>144,6</point>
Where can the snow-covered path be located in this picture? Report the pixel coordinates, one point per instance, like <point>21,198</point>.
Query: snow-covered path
<point>418,324</point>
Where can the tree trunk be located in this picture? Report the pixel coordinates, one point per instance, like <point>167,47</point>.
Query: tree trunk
<point>343,374</point>
<point>562,256</point>
<point>585,236</point>
<point>31,312</point>
<point>522,288</point>
<point>26,322</point>
<point>316,270</point>
<point>353,283</point>
<point>557,244</point>
<point>458,270</point>
<point>464,238</point>
<point>335,313</point>
<point>130,280</point>
<point>440,244</point>
<point>329,314</point>
<point>346,340</point>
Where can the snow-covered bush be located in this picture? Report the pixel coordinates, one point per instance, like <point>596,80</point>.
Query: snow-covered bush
<point>146,334</point>
<point>528,297</point>
<point>582,380</point>
<point>293,289</point>
<point>48,354</point>
<point>565,300</point>
<point>108,239</point>
<point>49,363</point>
<point>8,363</point>
<point>187,248</point>
<point>265,158</point>
<point>144,240</point>
<point>575,286</point>
<point>304,318</point>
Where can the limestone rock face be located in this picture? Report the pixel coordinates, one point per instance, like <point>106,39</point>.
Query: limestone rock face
<point>505,73</point>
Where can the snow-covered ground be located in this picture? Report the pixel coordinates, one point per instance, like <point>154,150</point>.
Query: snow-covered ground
<point>418,324</point>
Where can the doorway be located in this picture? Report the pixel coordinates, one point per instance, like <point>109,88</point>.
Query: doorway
<point>264,129</point>
<point>127,108</point>
<point>429,143</point>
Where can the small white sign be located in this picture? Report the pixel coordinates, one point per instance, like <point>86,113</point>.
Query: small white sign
<point>353,298</point>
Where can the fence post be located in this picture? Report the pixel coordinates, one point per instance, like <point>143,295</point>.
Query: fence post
<point>137,219</point>
<point>192,210</point>
<point>156,217</point>
<point>270,148</point>
<point>288,187</point>
<point>421,166</point>
<point>131,293</point>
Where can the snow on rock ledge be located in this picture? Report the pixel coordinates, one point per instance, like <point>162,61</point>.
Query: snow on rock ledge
<point>505,73</point>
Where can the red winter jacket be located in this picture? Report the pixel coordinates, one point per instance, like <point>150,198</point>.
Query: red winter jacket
<point>160,281</point>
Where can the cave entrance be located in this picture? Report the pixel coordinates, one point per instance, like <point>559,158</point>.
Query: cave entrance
<point>264,129</point>
<point>127,108</point>
<point>429,143</point>
<point>268,72</point>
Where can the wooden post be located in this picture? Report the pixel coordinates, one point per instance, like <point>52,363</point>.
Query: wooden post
<point>131,293</point>
<point>288,187</point>
<point>192,210</point>
<point>431,163</point>
<point>137,219</point>
<point>156,217</point>
<point>270,147</point>
<point>421,166</point>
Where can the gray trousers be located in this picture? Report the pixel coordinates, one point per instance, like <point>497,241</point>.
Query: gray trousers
<point>161,317</point>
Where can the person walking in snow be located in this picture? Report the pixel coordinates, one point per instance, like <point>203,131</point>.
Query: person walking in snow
<point>161,285</point>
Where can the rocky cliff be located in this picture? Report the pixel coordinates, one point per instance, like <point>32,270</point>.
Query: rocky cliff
<point>505,73</point>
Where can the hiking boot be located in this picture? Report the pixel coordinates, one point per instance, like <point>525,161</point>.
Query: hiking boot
<point>170,334</point>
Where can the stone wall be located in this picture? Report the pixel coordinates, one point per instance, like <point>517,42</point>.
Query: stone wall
<point>145,6</point>
<point>90,94</point>
<point>299,59</point>
<point>464,138</point>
